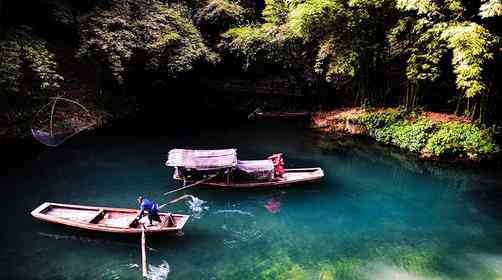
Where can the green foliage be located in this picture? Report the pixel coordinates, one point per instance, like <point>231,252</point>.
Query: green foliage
<point>427,30</point>
<point>420,6</point>
<point>317,38</point>
<point>221,13</point>
<point>310,18</point>
<point>413,132</point>
<point>471,44</point>
<point>412,135</point>
<point>26,64</point>
<point>335,62</point>
<point>461,139</point>
<point>160,35</point>
<point>249,42</point>
<point>491,8</point>
<point>394,127</point>
<point>276,11</point>
<point>381,118</point>
<point>426,54</point>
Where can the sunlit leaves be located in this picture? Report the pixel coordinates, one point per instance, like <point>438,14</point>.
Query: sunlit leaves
<point>470,44</point>
<point>24,58</point>
<point>425,39</point>
<point>220,12</point>
<point>276,11</point>
<point>311,18</point>
<point>422,7</point>
<point>491,8</point>
<point>249,42</point>
<point>336,62</point>
<point>454,6</point>
<point>426,54</point>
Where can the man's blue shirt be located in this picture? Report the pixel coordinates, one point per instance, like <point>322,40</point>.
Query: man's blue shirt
<point>148,205</point>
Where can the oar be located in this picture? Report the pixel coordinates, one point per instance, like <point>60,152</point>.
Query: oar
<point>176,200</point>
<point>143,252</point>
<point>192,185</point>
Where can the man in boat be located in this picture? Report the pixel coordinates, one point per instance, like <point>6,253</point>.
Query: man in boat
<point>151,207</point>
<point>278,162</point>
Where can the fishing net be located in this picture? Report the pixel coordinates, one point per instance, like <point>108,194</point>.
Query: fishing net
<point>59,120</point>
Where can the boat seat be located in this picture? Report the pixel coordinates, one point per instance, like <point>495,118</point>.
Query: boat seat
<point>168,221</point>
<point>97,217</point>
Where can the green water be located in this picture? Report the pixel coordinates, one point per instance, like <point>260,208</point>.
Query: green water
<point>377,214</point>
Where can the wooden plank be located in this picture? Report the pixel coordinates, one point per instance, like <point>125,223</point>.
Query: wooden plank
<point>100,212</point>
<point>312,169</point>
<point>143,253</point>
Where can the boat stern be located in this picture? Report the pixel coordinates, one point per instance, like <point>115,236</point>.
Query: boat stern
<point>39,210</point>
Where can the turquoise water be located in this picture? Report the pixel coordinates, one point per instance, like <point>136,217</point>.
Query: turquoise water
<point>378,214</point>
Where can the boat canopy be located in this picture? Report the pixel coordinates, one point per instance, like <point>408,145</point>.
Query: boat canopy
<point>202,159</point>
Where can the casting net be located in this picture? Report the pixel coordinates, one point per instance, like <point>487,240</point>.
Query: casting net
<point>59,120</point>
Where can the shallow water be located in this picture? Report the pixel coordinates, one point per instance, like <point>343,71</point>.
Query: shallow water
<point>378,214</point>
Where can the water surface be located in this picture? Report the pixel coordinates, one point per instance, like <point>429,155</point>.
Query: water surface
<point>378,214</point>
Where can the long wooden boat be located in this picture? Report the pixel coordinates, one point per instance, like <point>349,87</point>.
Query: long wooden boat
<point>283,115</point>
<point>105,219</point>
<point>291,176</point>
<point>258,113</point>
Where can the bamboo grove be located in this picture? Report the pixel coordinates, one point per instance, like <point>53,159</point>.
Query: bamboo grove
<point>439,55</point>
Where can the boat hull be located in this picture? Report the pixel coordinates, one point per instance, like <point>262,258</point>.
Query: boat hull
<point>290,177</point>
<point>105,219</point>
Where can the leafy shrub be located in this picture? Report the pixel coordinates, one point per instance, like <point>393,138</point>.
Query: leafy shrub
<point>413,132</point>
<point>412,136</point>
<point>461,138</point>
<point>379,119</point>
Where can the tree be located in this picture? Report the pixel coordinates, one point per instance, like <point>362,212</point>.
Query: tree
<point>28,73</point>
<point>332,41</point>
<point>427,31</point>
<point>159,36</point>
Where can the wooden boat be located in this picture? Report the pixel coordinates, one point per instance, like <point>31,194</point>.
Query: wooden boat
<point>221,168</point>
<point>105,219</point>
<point>291,176</point>
<point>258,113</point>
<point>283,115</point>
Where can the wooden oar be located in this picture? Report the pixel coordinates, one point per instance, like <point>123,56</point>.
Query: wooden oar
<point>143,252</point>
<point>176,200</point>
<point>192,185</point>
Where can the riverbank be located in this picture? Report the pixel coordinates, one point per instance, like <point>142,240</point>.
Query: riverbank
<point>430,135</point>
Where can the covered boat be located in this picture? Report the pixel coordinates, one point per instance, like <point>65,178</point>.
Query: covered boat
<point>105,219</point>
<point>221,168</point>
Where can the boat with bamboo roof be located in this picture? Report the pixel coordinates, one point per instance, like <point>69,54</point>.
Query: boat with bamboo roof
<point>106,219</point>
<point>221,168</point>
